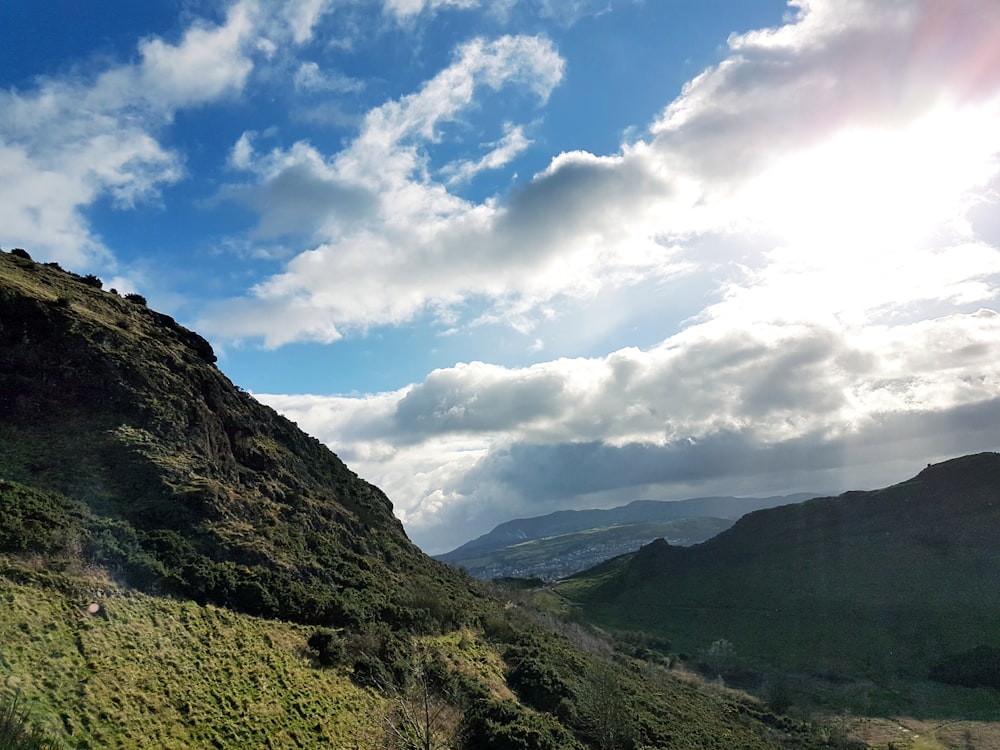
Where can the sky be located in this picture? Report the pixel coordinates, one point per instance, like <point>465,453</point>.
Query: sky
<point>519,256</point>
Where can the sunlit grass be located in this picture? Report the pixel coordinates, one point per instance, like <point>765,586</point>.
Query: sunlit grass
<point>145,671</point>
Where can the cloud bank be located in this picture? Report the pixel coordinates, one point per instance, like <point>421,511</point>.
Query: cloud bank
<point>827,185</point>
<point>807,235</point>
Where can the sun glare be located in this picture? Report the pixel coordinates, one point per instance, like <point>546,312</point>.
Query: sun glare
<point>877,190</point>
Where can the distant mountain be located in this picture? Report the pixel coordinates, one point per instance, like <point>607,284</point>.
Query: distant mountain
<point>565,542</point>
<point>868,583</point>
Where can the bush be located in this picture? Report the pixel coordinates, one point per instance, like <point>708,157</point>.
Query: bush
<point>535,678</point>
<point>137,298</point>
<point>91,280</point>
<point>329,647</point>
<point>20,252</point>
<point>382,659</point>
<point>505,725</point>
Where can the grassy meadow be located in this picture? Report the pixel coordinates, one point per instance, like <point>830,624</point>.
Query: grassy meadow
<point>145,671</point>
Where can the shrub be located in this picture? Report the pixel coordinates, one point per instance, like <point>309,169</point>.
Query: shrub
<point>91,280</point>
<point>536,678</point>
<point>384,658</point>
<point>329,647</point>
<point>20,252</point>
<point>504,725</point>
<point>15,731</point>
<point>137,298</point>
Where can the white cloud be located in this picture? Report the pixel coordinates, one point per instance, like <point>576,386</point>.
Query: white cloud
<point>397,243</point>
<point>501,153</point>
<point>406,9</point>
<point>801,136</point>
<point>829,188</point>
<point>442,448</point>
<point>209,62</point>
<point>303,15</point>
<point>309,77</point>
<point>69,142</point>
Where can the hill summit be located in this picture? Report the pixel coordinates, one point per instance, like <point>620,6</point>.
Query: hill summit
<point>173,478</point>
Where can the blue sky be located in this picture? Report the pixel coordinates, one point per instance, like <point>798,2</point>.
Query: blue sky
<point>516,256</point>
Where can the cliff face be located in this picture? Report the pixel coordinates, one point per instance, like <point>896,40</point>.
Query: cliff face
<point>184,482</point>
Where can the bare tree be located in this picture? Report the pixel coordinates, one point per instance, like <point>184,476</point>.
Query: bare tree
<point>422,715</point>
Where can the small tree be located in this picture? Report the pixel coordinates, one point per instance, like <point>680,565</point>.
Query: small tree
<point>422,715</point>
<point>605,712</point>
<point>20,252</point>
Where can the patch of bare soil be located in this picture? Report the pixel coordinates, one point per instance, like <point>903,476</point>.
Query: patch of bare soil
<point>911,734</point>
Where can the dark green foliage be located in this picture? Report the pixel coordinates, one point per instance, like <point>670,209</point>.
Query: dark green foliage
<point>180,483</point>
<point>32,522</point>
<point>646,646</point>
<point>91,280</point>
<point>20,252</point>
<point>536,679</point>
<point>16,732</point>
<point>979,667</point>
<point>329,647</point>
<point>382,658</point>
<point>605,711</point>
<point>505,725</point>
<point>137,298</point>
<point>874,585</point>
<point>778,694</point>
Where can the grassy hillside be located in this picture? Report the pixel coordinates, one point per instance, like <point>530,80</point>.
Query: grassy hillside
<point>177,480</point>
<point>867,586</point>
<point>144,671</point>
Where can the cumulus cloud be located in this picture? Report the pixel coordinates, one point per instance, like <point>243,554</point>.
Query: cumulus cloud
<point>711,409</point>
<point>406,244</point>
<point>209,61</point>
<point>68,142</point>
<point>894,104</point>
<point>828,191</point>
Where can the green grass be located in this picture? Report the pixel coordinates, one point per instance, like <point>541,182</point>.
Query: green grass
<point>148,671</point>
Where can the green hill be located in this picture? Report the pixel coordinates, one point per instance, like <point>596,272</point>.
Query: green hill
<point>181,566</point>
<point>562,522</point>
<point>878,585</point>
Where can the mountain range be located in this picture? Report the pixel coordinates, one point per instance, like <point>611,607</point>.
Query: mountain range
<point>565,542</point>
